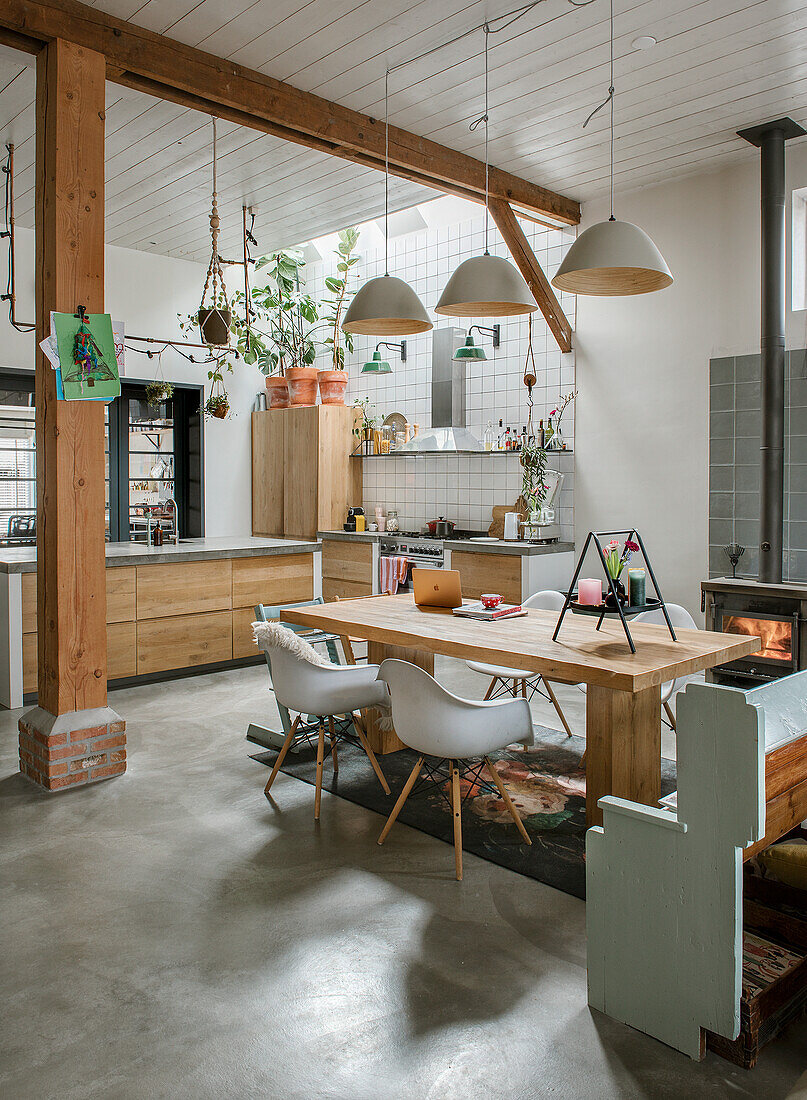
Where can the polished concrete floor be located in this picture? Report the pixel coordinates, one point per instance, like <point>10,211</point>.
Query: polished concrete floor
<point>173,934</point>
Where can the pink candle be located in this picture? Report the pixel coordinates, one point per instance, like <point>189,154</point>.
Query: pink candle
<point>589,591</point>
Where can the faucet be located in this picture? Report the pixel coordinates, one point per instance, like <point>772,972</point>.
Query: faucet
<point>171,500</point>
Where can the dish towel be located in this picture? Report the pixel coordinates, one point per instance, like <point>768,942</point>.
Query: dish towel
<point>393,573</point>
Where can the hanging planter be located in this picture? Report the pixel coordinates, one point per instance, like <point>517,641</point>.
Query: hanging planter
<point>158,392</point>
<point>214,315</point>
<point>214,325</point>
<point>218,405</point>
<point>277,389</point>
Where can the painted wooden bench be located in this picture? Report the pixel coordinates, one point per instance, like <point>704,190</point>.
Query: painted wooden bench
<point>664,887</point>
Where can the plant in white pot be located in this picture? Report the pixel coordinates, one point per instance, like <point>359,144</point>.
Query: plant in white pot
<point>342,286</point>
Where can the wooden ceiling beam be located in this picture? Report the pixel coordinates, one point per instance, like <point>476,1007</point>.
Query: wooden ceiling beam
<point>527,263</point>
<point>139,58</point>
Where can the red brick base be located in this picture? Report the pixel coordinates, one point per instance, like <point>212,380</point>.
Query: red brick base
<point>60,760</point>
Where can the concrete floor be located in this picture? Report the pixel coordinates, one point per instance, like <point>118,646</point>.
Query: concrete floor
<point>172,934</point>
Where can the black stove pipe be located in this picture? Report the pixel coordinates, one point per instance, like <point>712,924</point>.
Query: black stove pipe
<point>770,138</point>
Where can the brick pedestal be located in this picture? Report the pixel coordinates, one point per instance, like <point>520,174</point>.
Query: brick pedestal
<point>63,751</point>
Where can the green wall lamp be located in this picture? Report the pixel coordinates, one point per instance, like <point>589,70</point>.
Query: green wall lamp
<point>377,365</point>
<point>469,350</point>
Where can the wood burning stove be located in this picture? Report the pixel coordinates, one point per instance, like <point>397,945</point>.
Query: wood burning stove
<point>775,613</point>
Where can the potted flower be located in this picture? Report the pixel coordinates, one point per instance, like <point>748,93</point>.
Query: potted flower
<point>555,441</point>
<point>615,561</point>
<point>333,380</point>
<point>365,420</point>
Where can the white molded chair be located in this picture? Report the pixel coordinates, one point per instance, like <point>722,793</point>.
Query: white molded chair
<point>679,617</point>
<point>326,691</point>
<point>436,723</point>
<point>506,680</point>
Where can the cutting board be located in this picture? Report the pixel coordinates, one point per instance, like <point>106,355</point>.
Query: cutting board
<point>496,529</point>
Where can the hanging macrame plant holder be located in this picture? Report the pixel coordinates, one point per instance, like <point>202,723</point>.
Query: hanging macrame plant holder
<point>159,391</point>
<point>215,315</point>
<point>218,404</point>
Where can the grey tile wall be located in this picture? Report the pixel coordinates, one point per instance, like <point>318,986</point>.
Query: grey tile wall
<point>734,442</point>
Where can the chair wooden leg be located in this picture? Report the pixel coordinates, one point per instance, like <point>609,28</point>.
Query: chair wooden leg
<point>523,689</point>
<point>334,755</point>
<point>669,712</point>
<point>320,759</point>
<point>347,648</point>
<point>402,797</point>
<point>491,688</point>
<point>456,809</point>
<point>554,700</point>
<point>281,756</point>
<point>365,744</point>
<point>507,800</point>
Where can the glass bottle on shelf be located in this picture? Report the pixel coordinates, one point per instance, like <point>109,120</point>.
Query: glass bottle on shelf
<point>489,436</point>
<point>500,438</point>
<point>541,434</point>
<point>392,520</point>
<point>550,431</point>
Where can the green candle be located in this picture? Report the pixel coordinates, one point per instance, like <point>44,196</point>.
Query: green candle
<point>636,587</point>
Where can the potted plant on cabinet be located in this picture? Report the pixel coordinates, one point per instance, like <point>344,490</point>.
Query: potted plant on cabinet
<point>365,420</point>
<point>333,380</point>
<point>278,336</point>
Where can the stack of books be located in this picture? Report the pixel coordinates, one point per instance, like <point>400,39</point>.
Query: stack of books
<point>475,610</point>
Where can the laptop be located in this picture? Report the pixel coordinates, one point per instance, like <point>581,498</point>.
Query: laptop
<point>437,589</point>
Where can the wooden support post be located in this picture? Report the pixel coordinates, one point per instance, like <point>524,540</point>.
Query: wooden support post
<point>527,263</point>
<point>78,737</point>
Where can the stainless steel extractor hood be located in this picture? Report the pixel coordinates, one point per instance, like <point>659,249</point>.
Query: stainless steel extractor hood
<point>448,433</point>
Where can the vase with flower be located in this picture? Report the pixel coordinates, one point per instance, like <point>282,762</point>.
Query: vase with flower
<point>615,561</point>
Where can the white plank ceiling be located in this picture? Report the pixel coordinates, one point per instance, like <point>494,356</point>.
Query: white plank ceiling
<point>718,66</point>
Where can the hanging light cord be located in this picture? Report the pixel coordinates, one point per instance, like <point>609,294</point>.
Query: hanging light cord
<point>608,100</point>
<point>477,122</point>
<point>386,173</point>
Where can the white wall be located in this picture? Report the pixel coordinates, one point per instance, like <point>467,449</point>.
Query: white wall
<point>641,440</point>
<point>147,292</point>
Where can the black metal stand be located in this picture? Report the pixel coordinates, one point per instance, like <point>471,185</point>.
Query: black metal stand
<point>595,536</point>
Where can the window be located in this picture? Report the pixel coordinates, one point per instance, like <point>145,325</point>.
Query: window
<point>152,455</point>
<point>798,280</point>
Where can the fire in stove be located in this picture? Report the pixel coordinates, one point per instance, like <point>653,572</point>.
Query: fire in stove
<point>776,636</point>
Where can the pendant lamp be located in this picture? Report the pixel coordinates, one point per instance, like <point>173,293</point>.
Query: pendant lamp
<point>486,286</point>
<point>386,306</point>
<point>614,257</point>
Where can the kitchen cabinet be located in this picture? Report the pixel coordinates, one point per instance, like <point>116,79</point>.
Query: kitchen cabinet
<point>347,568</point>
<point>303,478</point>
<point>488,573</point>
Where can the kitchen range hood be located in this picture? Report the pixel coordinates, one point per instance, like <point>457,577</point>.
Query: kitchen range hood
<point>448,433</point>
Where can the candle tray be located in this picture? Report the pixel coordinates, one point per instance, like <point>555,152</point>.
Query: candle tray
<point>601,611</point>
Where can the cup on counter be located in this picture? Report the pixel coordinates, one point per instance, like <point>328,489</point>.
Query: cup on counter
<point>490,600</point>
<point>372,526</point>
<point>589,591</point>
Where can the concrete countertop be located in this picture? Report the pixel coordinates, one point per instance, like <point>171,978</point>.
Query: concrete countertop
<point>23,558</point>
<point>500,546</point>
<point>353,536</point>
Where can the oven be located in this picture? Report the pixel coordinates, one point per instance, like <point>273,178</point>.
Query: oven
<point>771,613</point>
<point>417,551</point>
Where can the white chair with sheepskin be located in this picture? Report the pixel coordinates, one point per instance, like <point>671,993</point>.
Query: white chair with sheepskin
<point>308,683</point>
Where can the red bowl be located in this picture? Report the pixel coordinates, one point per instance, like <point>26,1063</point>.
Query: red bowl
<point>490,600</point>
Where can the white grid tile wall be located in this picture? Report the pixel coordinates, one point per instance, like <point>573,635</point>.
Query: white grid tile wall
<point>463,488</point>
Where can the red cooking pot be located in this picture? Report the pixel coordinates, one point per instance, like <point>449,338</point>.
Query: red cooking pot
<point>443,528</point>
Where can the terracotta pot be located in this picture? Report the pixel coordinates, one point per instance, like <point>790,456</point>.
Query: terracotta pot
<point>221,412</point>
<point>302,385</point>
<point>277,389</point>
<point>332,386</point>
<point>214,325</point>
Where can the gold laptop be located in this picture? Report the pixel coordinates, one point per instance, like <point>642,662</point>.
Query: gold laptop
<point>437,589</point>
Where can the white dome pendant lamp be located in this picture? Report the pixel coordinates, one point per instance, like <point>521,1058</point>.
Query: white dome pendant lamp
<point>486,286</point>
<point>614,257</point>
<point>386,306</point>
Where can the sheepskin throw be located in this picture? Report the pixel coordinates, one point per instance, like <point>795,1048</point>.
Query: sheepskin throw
<point>274,636</point>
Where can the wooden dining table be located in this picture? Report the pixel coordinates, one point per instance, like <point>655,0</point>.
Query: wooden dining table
<point>623,707</point>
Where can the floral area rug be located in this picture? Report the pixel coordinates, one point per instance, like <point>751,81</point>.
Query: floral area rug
<point>547,783</point>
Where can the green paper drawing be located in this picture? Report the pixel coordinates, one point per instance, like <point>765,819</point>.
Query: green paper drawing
<point>87,356</point>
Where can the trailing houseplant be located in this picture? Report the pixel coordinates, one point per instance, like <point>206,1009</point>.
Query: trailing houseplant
<point>365,419</point>
<point>158,391</point>
<point>533,460</point>
<point>341,286</point>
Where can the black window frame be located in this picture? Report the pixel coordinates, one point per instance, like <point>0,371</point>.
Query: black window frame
<point>187,411</point>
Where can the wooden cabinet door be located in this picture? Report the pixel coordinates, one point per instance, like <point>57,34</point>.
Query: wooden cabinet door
<point>184,641</point>
<point>268,462</point>
<point>301,472</point>
<point>481,572</point>
<point>184,588</point>
<point>120,597</point>
<point>121,650</point>
<point>346,568</point>
<point>275,579</point>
